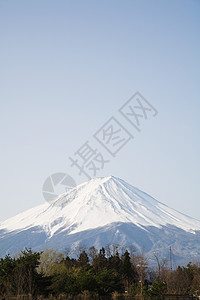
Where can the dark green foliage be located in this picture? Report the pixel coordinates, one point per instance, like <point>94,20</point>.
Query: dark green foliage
<point>86,279</point>
<point>126,267</point>
<point>158,289</point>
<point>49,274</point>
<point>114,262</point>
<point>7,266</point>
<point>19,275</point>
<point>83,259</point>
<point>100,261</point>
<point>108,281</point>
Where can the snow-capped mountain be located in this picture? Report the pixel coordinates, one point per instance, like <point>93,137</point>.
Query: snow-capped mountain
<point>99,212</point>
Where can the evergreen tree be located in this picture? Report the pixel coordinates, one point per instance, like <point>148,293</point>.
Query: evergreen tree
<point>100,261</point>
<point>83,259</point>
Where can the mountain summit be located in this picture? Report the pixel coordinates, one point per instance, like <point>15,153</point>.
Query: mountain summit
<point>98,212</point>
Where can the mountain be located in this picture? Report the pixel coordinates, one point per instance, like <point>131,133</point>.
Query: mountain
<point>104,211</point>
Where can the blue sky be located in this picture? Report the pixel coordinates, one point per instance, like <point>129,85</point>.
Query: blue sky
<point>66,67</point>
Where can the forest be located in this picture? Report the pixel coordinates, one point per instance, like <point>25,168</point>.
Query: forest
<point>93,274</point>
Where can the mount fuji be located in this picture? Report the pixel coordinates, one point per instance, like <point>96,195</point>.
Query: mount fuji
<point>104,211</point>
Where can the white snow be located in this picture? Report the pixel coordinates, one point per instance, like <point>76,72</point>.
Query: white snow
<point>97,203</point>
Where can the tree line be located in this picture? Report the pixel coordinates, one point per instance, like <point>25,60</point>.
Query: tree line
<point>93,274</point>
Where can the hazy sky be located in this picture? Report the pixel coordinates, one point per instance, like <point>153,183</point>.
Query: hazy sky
<point>66,67</point>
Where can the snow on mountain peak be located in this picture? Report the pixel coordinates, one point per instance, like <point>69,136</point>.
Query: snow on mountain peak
<point>97,203</point>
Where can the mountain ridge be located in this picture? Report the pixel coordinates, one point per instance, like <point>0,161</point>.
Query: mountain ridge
<point>102,209</point>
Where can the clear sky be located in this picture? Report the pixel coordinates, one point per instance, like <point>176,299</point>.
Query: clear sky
<point>66,67</point>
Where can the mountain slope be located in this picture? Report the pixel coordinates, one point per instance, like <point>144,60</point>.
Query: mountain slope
<point>98,212</point>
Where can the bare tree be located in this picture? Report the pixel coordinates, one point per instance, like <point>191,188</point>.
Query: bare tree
<point>92,253</point>
<point>142,265</point>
